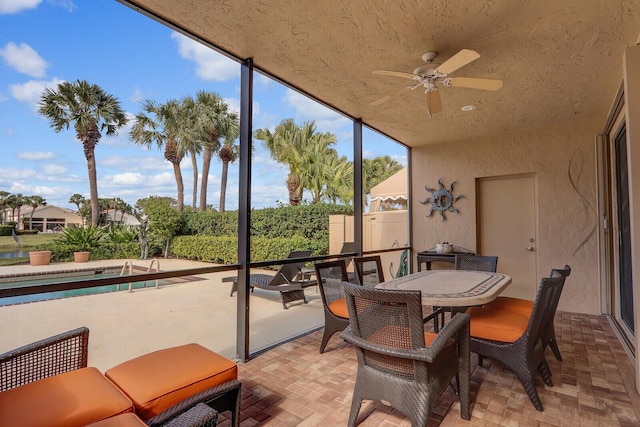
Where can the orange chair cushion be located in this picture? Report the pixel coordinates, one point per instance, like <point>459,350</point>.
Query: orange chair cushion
<point>159,380</point>
<point>124,420</point>
<point>497,325</point>
<point>429,337</point>
<point>339,308</point>
<point>519,305</point>
<point>74,398</point>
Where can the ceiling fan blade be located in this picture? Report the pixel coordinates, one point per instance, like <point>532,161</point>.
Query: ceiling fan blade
<point>388,97</point>
<point>473,83</point>
<point>395,74</point>
<point>458,60</point>
<point>434,102</point>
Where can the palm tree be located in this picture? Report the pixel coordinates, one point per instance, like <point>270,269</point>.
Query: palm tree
<point>228,154</point>
<point>213,122</point>
<point>289,145</point>
<point>77,199</point>
<point>91,110</point>
<point>3,205</point>
<point>164,125</point>
<point>34,202</point>
<point>376,170</point>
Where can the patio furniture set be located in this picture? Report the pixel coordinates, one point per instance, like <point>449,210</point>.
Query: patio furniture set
<point>402,364</point>
<point>399,361</point>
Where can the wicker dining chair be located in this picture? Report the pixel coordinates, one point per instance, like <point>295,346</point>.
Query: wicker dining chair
<point>400,363</point>
<point>525,307</point>
<point>329,276</point>
<point>369,270</point>
<point>515,339</point>
<point>476,262</point>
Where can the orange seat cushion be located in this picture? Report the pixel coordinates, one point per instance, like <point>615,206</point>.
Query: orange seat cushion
<point>429,337</point>
<point>339,308</point>
<point>159,380</point>
<point>124,420</point>
<point>74,398</point>
<point>497,325</point>
<point>519,305</point>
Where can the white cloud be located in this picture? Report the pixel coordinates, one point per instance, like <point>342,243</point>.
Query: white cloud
<point>306,107</point>
<point>3,97</point>
<point>137,95</point>
<point>128,178</point>
<point>210,65</point>
<point>65,4</point>
<point>30,92</point>
<point>16,174</point>
<point>36,155</point>
<point>15,6</point>
<point>24,59</point>
<point>54,170</point>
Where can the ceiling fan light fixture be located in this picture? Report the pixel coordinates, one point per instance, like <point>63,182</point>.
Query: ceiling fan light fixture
<point>468,108</point>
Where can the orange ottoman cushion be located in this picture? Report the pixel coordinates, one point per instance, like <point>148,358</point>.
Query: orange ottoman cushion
<point>519,305</point>
<point>497,325</point>
<point>74,398</point>
<point>159,380</point>
<point>124,420</point>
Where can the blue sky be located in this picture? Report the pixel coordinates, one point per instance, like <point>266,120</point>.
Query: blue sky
<point>45,42</point>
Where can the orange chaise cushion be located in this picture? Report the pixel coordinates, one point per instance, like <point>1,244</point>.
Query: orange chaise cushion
<point>159,380</point>
<point>497,325</point>
<point>519,305</point>
<point>339,308</point>
<point>74,398</point>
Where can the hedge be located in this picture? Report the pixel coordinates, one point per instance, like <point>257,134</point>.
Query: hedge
<point>224,250</point>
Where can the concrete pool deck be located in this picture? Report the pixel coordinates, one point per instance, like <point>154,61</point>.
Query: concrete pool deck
<point>124,325</point>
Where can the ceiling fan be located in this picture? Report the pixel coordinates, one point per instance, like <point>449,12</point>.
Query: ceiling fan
<point>429,74</point>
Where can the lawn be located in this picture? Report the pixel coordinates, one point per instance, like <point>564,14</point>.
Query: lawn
<point>27,243</point>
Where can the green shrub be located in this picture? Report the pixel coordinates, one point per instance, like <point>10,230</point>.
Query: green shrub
<point>81,239</point>
<point>26,232</point>
<point>5,230</point>
<point>223,250</point>
<point>309,221</point>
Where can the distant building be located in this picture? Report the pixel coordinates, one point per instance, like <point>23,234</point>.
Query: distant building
<point>120,218</point>
<point>46,219</point>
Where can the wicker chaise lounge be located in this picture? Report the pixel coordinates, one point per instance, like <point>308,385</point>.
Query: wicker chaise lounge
<point>289,280</point>
<point>49,383</point>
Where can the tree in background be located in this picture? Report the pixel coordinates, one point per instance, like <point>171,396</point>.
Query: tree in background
<point>376,170</point>
<point>289,145</point>
<point>3,205</point>
<point>163,218</point>
<point>228,153</point>
<point>34,202</point>
<point>164,125</point>
<point>91,110</point>
<point>15,202</point>
<point>324,173</point>
<point>213,123</point>
<point>78,200</point>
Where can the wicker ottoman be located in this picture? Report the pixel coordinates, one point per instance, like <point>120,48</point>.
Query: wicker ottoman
<point>178,377</point>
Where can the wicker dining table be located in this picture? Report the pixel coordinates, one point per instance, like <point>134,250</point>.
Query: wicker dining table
<point>452,288</point>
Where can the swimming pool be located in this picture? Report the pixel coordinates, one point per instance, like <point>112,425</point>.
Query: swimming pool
<point>70,277</point>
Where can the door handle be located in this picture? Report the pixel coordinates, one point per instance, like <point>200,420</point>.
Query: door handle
<point>531,249</point>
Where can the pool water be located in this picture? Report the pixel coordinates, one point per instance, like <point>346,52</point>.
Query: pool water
<point>74,292</point>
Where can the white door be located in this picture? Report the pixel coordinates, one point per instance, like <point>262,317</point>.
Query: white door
<point>506,227</point>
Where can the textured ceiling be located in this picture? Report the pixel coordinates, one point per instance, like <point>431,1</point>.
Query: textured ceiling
<point>557,58</point>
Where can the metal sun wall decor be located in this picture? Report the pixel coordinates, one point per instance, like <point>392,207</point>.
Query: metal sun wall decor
<point>441,200</point>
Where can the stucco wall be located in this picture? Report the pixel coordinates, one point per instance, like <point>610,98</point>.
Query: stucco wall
<point>566,216</point>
